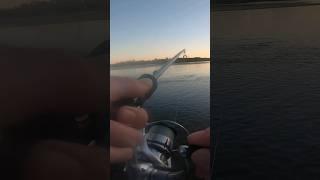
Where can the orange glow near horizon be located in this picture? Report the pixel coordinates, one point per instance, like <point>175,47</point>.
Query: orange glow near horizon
<point>203,53</point>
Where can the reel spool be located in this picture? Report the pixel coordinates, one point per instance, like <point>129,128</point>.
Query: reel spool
<point>156,158</point>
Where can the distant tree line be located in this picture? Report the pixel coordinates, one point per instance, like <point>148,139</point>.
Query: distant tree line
<point>159,61</point>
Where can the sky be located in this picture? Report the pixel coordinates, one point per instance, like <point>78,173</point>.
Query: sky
<point>149,29</point>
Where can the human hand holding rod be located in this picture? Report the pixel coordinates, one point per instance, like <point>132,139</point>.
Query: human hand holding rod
<point>53,159</point>
<point>196,140</point>
<point>126,98</point>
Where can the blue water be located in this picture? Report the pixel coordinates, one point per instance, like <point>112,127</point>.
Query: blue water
<point>266,94</point>
<point>182,94</point>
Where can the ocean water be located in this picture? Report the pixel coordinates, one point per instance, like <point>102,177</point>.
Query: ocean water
<point>182,94</point>
<point>266,94</point>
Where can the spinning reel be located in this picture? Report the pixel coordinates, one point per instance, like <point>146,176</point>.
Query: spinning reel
<point>160,157</point>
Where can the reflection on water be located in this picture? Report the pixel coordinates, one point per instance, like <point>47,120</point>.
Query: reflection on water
<point>182,94</point>
<point>267,93</point>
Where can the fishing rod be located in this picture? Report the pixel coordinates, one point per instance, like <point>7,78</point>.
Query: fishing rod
<point>153,79</point>
<point>159,156</point>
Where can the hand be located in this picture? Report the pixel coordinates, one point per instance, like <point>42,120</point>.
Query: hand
<point>201,157</point>
<point>124,133</point>
<point>37,81</point>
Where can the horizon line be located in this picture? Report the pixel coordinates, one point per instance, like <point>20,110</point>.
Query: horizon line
<point>156,59</point>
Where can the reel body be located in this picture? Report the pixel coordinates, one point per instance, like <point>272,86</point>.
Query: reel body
<point>156,158</point>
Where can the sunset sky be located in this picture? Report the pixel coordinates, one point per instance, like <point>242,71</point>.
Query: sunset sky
<point>149,29</point>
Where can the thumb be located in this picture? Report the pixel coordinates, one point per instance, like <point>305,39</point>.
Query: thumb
<point>200,138</point>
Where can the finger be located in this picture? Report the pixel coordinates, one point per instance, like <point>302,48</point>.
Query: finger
<point>201,159</point>
<point>123,88</point>
<point>124,136</point>
<point>201,138</point>
<point>53,159</point>
<point>118,155</point>
<point>133,117</point>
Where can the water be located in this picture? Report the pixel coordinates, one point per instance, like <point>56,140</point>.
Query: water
<point>182,94</point>
<point>266,94</point>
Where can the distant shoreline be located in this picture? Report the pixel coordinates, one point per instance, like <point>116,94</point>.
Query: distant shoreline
<point>252,6</point>
<point>157,62</point>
